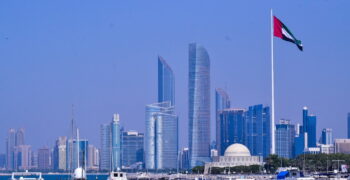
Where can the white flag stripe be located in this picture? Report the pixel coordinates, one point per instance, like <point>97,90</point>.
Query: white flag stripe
<point>284,32</point>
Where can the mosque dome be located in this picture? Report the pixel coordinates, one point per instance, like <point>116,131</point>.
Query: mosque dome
<point>237,150</point>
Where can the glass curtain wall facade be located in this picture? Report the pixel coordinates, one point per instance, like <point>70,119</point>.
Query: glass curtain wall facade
<point>327,136</point>
<point>232,128</point>
<point>199,105</point>
<point>161,137</point>
<point>132,149</point>
<point>116,150</point>
<point>73,148</point>
<point>105,147</point>
<point>258,131</point>
<point>10,149</point>
<point>166,82</point>
<point>222,101</point>
<point>285,134</point>
<point>311,131</point>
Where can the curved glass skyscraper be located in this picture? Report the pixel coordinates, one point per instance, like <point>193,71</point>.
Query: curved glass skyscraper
<point>199,105</point>
<point>166,82</point>
<point>161,136</point>
<point>116,162</point>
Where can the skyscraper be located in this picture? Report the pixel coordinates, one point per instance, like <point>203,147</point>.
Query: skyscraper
<point>199,105</point>
<point>19,137</point>
<point>2,161</point>
<point>327,136</point>
<point>44,159</point>
<point>59,154</point>
<point>10,149</point>
<point>305,119</point>
<point>132,149</point>
<point>77,153</point>
<point>105,147</point>
<point>285,134</point>
<point>349,125</point>
<point>93,158</point>
<point>232,129</point>
<point>184,159</point>
<point>23,157</point>
<point>258,130</point>
<point>166,82</point>
<point>161,136</point>
<point>116,163</point>
<point>311,130</point>
<point>222,101</point>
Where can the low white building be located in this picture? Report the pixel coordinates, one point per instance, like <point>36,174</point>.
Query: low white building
<point>235,155</point>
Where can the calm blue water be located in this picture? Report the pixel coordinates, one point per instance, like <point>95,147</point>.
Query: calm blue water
<point>61,177</point>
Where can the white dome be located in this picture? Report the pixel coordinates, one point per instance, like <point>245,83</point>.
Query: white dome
<point>237,150</point>
<point>79,173</point>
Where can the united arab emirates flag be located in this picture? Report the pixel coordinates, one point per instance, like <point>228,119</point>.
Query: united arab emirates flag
<point>280,30</point>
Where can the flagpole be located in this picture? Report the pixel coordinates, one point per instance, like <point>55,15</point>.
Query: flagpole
<point>272,93</point>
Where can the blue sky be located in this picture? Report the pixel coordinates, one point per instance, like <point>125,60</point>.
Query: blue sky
<point>102,57</point>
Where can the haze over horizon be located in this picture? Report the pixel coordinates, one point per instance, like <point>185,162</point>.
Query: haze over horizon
<point>102,57</point>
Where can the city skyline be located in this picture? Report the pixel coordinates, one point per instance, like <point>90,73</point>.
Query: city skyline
<point>40,83</point>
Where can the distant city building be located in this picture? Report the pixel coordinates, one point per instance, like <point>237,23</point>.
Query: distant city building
<point>44,159</point>
<point>93,158</point>
<point>342,146</point>
<point>10,150</point>
<point>299,145</point>
<point>258,130</point>
<point>73,148</point>
<point>105,147</point>
<point>349,125</point>
<point>327,148</point>
<point>166,82</point>
<point>161,136</point>
<point>34,160</point>
<point>116,151</point>
<point>232,128</point>
<point>23,157</point>
<point>184,159</point>
<point>132,149</point>
<point>59,154</point>
<point>235,155</point>
<point>311,131</point>
<point>19,137</point>
<point>327,136</point>
<point>222,101</point>
<point>199,105</point>
<point>309,128</point>
<point>313,150</point>
<point>2,161</point>
<point>285,134</point>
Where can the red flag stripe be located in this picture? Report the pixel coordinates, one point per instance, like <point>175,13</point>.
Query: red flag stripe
<point>277,27</point>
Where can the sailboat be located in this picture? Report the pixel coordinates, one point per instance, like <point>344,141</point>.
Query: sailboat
<point>79,172</point>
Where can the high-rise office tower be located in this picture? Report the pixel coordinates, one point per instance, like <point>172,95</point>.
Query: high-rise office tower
<point>232,128</point>
<point>285,134</point>
<point>44,159</point>
<point>93,158</point>
<point>166,82</point>
<point>105,147</point>
<point>222,101</point>
<point>116,163</point>
<point>199,105</point>
<point>2,161</point>
<point>74,147</point>
<point>258,131</point>
<point>132,149</point>
<point>305,119</point>
<point>161,136</point>
<point>327,136</point>
<point>10,149</point>
<point>23,157</point>
<point>59,154</point>
<point>311,130</point>
<point>349,125</point>
<point>19,137</point>
<point>184,159</point>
